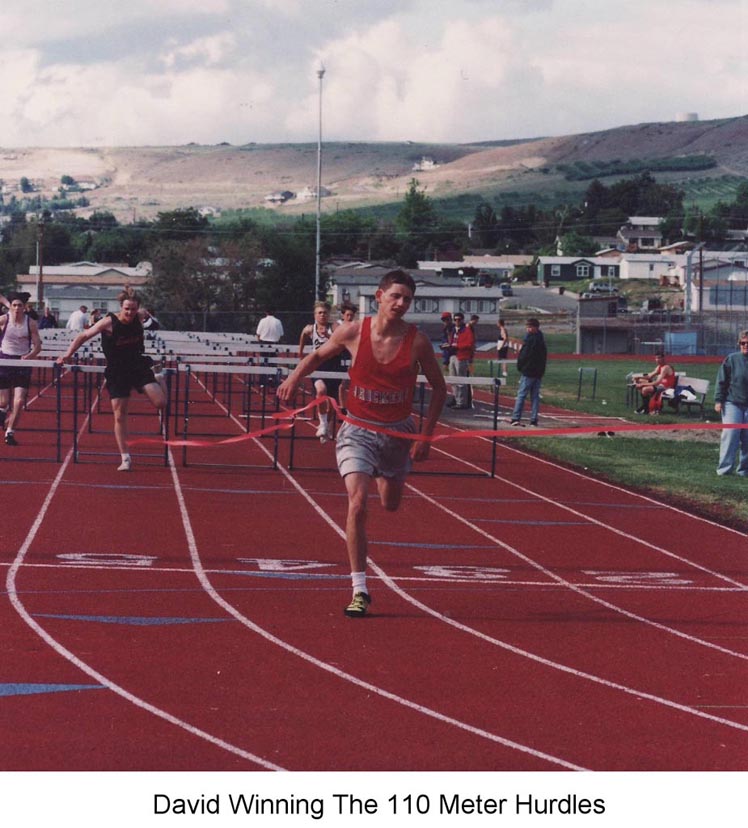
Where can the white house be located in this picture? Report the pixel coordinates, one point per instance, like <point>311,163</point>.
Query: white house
<point>66,287</point>
<point>649,265</point>
<point>641,233</point>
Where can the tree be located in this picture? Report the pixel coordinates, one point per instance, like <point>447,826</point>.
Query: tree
<point>573,244</point>
<point>417,220</point>
<point>486,225</point>
<point>180,225</point>
<point>182,277</point>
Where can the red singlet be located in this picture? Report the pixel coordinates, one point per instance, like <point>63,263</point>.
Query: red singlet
<point>668,382</point>
<point>382,392</point>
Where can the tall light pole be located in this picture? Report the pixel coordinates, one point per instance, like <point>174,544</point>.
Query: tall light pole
<point>320,75</point>
<point>40,226</point>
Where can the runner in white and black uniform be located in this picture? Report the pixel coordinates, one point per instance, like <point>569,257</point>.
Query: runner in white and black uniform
<point>19,339</point>
<point>318,334</point>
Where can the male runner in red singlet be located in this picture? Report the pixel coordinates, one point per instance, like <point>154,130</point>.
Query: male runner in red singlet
<point>387,355</point>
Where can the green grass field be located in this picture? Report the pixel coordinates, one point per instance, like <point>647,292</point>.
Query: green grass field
<point>678,467</point>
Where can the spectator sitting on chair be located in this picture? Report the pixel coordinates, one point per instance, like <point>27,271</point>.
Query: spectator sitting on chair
<point>651,385</point>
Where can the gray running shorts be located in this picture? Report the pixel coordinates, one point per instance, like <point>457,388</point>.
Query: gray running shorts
<point>358,449</point>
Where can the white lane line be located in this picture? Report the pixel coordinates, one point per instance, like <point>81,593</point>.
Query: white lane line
<point>329,668</point>
<point>10,584</point>
<point>605,484</point>
<point>639,694</point>
<point>516,650</point>
<point>595,522</point>
<point>323,665</point>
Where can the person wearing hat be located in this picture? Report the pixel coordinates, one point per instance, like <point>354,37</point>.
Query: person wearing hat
<point>19,340</point>
<point>463,345</point>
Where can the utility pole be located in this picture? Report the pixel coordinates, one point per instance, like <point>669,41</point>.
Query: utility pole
<point>40,225</point>
<point>320,75</point>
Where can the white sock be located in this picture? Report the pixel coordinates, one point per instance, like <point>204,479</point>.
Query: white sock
<point>359,582</point>
<point>323,419</point>
<point>125,457</point>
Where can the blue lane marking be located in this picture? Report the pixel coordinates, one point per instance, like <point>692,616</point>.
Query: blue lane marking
<point>31,689</point>
<point>133,620</point>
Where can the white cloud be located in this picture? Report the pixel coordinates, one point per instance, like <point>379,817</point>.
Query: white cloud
<point>86,71</point>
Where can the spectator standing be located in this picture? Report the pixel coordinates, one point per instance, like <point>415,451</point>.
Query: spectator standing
<point>269,328</point>
<point>502,346</point>
<point>149,322</point>
<point>48,319</point>
<point>93,317</point>
<point>531,362</point>
<point>446,342</point>
<point>731,403</point>
<point>78,320</point>
<point>463,347</point>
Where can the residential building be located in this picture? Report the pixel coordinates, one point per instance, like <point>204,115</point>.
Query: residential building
<point>640,233</point>
<point>66,287</point>
<point>570,268</point>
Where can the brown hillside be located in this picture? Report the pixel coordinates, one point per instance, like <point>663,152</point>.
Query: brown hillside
<point>141,181</point>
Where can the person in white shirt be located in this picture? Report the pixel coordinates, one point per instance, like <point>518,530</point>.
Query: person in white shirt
<point>19,340</point>
<point>269,328</point>
<point>78,320</point>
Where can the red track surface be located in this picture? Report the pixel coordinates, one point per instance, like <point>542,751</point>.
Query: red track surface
<point>541,620</point>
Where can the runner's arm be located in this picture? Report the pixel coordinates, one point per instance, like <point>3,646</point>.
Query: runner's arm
<point>102,325</point>
<point>341,339</point>
<point>306,336</point>
<point>36,341</point>
<point>424,353</point>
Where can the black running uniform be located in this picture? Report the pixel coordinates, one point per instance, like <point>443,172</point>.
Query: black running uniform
<point>127,366</point>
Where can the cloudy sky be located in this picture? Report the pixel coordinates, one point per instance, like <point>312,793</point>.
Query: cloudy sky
<point>133,72</point>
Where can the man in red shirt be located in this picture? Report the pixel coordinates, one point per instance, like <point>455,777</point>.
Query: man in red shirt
<point>463,345</point>
<point>387,355</point>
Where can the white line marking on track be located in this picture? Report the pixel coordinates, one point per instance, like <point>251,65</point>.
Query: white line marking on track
<point>323,665</point>
<point>505,645</point>
<point>10,583</point>
<point>594,521</point>
<point>502,644</point>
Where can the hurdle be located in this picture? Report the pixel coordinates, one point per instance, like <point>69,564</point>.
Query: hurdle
<point>44,384</point>
<point>82,375</point>
<point>255,386</point>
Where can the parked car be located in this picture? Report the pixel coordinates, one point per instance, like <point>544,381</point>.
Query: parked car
<point>602,288</point>
<point>506,289</point>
